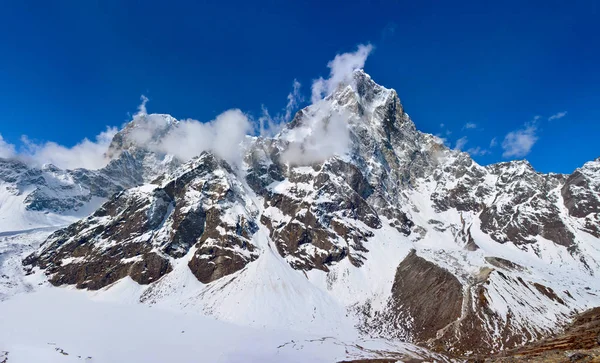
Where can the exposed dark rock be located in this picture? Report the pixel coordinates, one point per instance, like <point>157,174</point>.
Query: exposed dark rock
<point>504,263</point>
<point>577,343</point>
<point>579,197</point>
<point>425,296</point>
<point>339,195</point>
<point>137,231</point>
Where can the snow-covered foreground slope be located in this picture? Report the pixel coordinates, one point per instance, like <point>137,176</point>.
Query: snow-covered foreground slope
<point>63,325</point>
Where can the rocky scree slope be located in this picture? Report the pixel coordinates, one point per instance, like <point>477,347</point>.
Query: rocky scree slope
<point>395,234</point>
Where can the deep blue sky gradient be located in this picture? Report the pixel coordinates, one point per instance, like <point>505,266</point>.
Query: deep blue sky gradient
<point>69,68</point>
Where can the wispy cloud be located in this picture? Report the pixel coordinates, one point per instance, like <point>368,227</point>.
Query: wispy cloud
<point>323,134</point>
<point>142,107</point>
<point>518,143</point>
<point>85,154</point>
<point>341,68</point>
<point>388,31</point>
<point>557,116</point>
<point>269,125</point>
<point>478,151</point>
<point>294,99</point>
<point>324,131</point>
<point>441,140</point>
<point>446,131</point>
<point>493,143</point>
<point>460,143</point>
<point>470,125</point>
<point>6,150</point>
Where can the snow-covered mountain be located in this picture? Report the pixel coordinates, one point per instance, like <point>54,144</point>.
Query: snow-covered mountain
<point>349,222</point>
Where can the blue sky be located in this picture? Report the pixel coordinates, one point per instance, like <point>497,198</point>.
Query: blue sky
<point>484,70</point>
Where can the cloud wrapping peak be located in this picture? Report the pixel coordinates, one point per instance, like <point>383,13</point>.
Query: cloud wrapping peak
<point>222,136</point>
<point>142,106</point>
<point>341,68</point>
<point>269,126</point>
<point>86,154</point>
<point>518,143</point>
<point>186,139</point>
<point>294,99</point>
<point>323,134</point>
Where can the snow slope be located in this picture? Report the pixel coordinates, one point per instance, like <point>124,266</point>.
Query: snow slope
<point>62,325</point>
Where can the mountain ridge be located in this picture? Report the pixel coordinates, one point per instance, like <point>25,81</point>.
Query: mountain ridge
<point>351,216</point>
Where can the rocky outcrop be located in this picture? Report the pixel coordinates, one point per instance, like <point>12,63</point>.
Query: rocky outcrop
<point>313,215</point>
<point>581,189</point>
<point>425,297</point>
<point>579,342</point>
<point>140,231</point>
<point>525,206</point>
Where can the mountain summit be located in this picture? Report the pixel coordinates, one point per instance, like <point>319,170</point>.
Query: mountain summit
<point>348,220</point>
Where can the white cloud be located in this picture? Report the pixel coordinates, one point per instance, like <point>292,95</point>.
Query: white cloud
<point>323,134</point>
<point>557,116</point>
<point>183,139</point>
<point>442,125</point>
<point>440,139</point>
<point>6,150</point>
<point>86,154</point>
<point>142,106</point>
<point>186,139</point>
<point>493,142</point>
<point>294,99</point>
<point>269,126</point>
<point>223,136</point>
<point>477,151</point>
<point>518,143</point>
<point>470,125</point>
<point>460,143</point>
<point>341,68</point>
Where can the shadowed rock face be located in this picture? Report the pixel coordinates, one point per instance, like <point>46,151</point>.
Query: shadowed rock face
<point>219,254</point>
<point>139,232</point>
<point>425,296</point>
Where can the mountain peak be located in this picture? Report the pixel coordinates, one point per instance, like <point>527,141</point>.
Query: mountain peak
<point>143,130</point>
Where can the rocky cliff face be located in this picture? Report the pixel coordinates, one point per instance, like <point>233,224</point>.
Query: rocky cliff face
<point>394,232</point>
<point>139,230</point>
